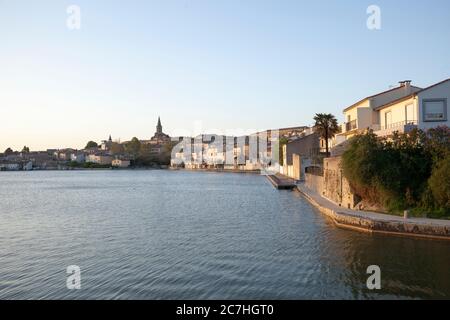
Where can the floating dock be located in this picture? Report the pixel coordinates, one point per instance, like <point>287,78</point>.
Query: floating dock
<point>281,182</point>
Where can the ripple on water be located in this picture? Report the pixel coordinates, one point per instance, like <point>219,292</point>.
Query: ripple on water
<point>191,235</point>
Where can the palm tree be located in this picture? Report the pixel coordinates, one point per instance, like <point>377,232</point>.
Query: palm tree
<point>326,126</point>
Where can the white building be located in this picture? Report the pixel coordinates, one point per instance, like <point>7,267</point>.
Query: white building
<point>399,109</point>
<point>424,109</point>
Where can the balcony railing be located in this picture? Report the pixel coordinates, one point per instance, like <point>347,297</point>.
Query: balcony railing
<point>397,125</point>
<point>352,125</point>
<point>400,127</point>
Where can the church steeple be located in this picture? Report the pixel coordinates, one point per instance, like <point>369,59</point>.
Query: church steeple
<point>159,126</point>
<point>160,136</point>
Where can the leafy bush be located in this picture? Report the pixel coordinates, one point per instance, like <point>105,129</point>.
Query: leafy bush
<point>439,183</point>
<point>401,172</point>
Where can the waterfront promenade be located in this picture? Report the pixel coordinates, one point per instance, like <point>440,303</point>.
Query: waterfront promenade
<point>377,222</point>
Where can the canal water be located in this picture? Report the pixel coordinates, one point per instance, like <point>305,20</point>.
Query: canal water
<point>194,235</point>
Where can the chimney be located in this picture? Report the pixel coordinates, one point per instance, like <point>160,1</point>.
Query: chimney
<point>407,85</point>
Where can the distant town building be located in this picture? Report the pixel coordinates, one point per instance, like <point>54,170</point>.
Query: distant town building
<point>156,145</point>
<point>9,166</point>
<point>106,144</point>
<point>300,153</point>
<point>211,151</point>
<point>92,150</point>
<point>103,159</point>
<point>28,166</point>
<point>292,132</point>
<point>28,161</point>
<point>121,163</point>
<point>78,157</point>
<point>64,154</point>
<point>159,138</point>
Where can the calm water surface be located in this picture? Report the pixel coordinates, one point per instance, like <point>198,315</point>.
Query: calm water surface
<point>193,235</point>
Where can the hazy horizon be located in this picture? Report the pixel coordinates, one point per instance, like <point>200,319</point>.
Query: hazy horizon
<point>233,66</point>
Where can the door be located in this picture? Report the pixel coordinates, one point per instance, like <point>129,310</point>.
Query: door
<point>410,115</point>
<point>388,120</point>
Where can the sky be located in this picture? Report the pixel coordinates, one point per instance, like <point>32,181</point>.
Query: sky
<point>215,66</point>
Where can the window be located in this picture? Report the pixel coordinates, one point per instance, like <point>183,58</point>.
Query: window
<point>434,110</point>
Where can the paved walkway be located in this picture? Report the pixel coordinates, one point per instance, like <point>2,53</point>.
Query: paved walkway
<point>378,222</point>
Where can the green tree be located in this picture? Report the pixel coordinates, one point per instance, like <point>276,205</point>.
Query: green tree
<point>91,144</point>
<point>326,126</point>
<point>8,151</point>
<point>360,163</point>
<point>145,157</point>
<point>389,172</point>
<point>133,147</point>
<point>437,143</point>
<point>439,183</point>
<point>117,148</point>
<point>25,149</point>
<point>166,154</point>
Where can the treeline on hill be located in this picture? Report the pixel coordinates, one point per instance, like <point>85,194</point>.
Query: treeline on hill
<point>407,171</point>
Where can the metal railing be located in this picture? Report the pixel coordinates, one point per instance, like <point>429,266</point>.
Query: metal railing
<point>352,125</point>
<point>400,124</point>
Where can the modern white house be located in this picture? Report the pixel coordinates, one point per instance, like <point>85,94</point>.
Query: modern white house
<point>424,109</point>
<point>398,110</point>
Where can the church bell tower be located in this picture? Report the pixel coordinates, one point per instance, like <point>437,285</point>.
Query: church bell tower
<point>159,127</point>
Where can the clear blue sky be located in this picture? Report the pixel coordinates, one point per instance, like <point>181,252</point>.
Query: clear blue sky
<point>229,64</point>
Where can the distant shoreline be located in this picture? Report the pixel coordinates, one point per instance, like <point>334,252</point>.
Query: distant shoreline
<point>217,170</point>
<point>142,169</point>
<point>86,169</point>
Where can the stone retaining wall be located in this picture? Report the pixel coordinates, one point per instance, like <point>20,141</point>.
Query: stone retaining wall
<point>314,182</point>
<point>336,186</point>
<point>333,185</point>
<point>377,223</point>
